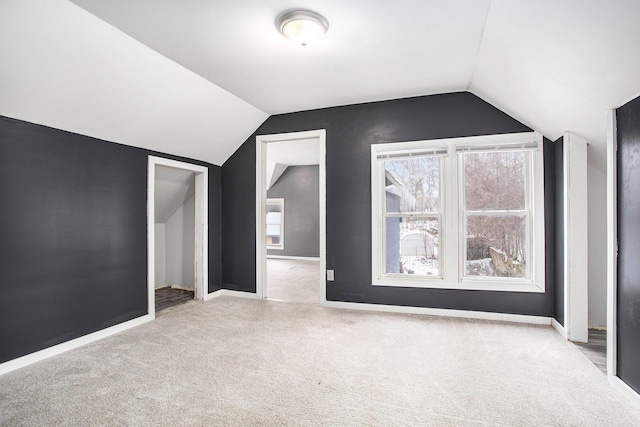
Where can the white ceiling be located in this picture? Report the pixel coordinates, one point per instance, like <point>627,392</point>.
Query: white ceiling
<point>172,188</point>
<point>62,67</point>
<point>374,49</point>
<point>295,152</point>
<point>556,65</point>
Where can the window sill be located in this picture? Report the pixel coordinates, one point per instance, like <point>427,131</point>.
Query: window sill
<point>466,285</point>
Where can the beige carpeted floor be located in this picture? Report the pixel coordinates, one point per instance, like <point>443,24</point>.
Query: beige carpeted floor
<point>241,362</point>
<point>293,280</point>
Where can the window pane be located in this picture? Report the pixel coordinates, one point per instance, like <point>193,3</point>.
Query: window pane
<point>412,185</point>
<point>273,235</point>
<point>274,218</point>
<point>495,181</point>
<point>496,246</point>
<point>273,208</point>
<point>412,246</point>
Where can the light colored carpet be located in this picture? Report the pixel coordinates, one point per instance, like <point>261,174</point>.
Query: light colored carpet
<point>240,362</point>
<point>293,280</point>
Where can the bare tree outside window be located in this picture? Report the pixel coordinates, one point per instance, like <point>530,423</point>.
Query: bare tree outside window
<point>496,215</point>
<point>459,213</point>
<point>412,211</point>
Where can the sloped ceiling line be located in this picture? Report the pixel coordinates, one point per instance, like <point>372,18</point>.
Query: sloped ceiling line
<point>475,62</point>
<point>554,65</point>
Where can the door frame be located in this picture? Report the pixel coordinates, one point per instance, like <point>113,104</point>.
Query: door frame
<point>612,245</point>
<point>201,198</point>
<point>261,201</point>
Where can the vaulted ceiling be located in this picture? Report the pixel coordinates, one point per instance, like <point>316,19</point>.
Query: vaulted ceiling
<point>197,77</point>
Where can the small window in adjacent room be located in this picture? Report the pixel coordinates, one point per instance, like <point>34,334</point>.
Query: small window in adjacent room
<point>275,223</point>
<point>459,213</point>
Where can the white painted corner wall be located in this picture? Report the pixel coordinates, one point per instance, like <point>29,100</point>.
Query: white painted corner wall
<point>576,256</point>
<point>597,214</point>
<point>160,255</point>
<point>180,246</point>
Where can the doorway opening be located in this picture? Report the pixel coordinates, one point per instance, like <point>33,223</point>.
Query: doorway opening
<point>290,217</point>
<point>177,220</point>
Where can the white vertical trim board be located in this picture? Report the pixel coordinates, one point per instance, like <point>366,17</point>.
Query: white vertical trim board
<point>261,217</point>
<point>201,266</point>
<point>576,290</point>
<point>23,361</point>
<point>261,197</point>
<point>202,233</point>
<point>612,245</point>
<point>151,238</point>
<point>322,195</point>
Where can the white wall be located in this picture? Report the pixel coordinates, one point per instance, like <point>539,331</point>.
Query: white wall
<point>597,214</point>
<point>160,256</point>
<point>180,246</point>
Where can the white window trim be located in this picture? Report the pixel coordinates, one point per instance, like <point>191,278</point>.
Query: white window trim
<point>450,249</point>
<point>278,201</point>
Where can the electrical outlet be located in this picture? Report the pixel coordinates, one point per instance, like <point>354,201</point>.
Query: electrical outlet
<point>330,276</point>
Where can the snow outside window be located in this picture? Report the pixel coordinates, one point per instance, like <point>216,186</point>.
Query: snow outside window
<point>275,223</point>
<point>460,213</point>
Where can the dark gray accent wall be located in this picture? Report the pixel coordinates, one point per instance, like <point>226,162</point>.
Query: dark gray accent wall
<point>556,189</point>
<point>350,132</point>
<point>299,187</point>
<point>628,316</point>
<point>73,235</point>
<point>215,228</point>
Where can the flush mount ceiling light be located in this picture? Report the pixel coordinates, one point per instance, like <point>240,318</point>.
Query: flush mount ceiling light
<point>303,27</point>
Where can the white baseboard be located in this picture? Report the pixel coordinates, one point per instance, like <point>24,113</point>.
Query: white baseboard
<point>304,258</point>
<point>212,295</point>
<point>624,389</point>
<point>230,293</point>
<point>23,361</point>
<point>558,327</point>
<point>504,317</point>
<point>239,294</point>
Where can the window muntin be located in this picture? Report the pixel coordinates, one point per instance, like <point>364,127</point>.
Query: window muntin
<point>275,223</point>
<point>508,218</point>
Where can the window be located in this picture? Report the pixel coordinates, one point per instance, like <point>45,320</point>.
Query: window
<point>412,214</point>
<point>460,213</point>
<point>275,223</point>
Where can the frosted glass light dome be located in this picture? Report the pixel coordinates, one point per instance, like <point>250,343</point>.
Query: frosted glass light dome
<point>303,27</point>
